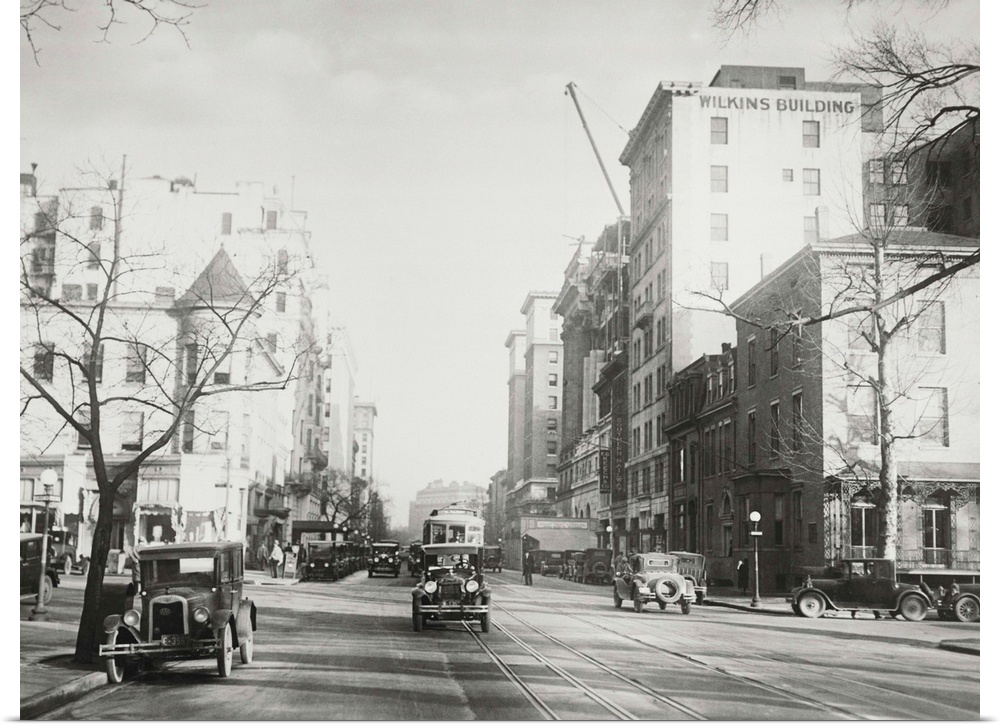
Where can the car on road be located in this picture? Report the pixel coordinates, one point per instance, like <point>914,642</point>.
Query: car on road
<point>452,587</point>
<point>384,559</point>
<point>597,566</point>
<point>320,563</point>
<point>548,562</point>
<point>692,567</point>
<point>493,558</point>
<point>31,568</point>
<point>958,602</point>
<point>862,584</point>
<point>649,577</point>
<point>185,602</point>
<point>572,569</point>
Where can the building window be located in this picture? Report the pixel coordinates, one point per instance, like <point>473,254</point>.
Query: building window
<point>72,291</point>
<point>797,422</point>
<point>272,342</point>
<point>191,362</point>
<point>280,302</point>
<point>553,379</point>
<point>272,220</point>
<point>775,438</point>
<point>810,134</point>
<point>796,334</point>
<point>930,327</point>
<point>862,415</point>
<point>720,227</point>
<point>44,361</point>
<point>937,530</point>
<point>552,425</point>
<point>553,402</point>
<point>786,83</point>
<point>97,371</point>
<point>282,262</point>
<point>900,215</point>
<point>164,294</point>
<point>552,447</point>
<point>857,325</point>
<point>91,291</point>
<point>779,519</point>
<point>720,179</point>
<point>553,357</point>
<point>131,431</point>
<point>135,363</point>
<point>751,362</point>
<point>797,518</point>
<point>810,229</point>
<point>720,276</point>
<point>96,218</point>
<point>94,254</point>
<point>720,130</point>
<point>83,419</point>
<point>897,173</point>
<point>752,437</point>
<point>787,175</point>
<point>876,172</point>
<point>933,424</point>
<point>227,223</point>
<point>774,357</point>
<point>864,527</point>
<point>810,182</point>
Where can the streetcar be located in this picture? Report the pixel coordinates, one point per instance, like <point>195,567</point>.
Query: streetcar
<point>454,525</point>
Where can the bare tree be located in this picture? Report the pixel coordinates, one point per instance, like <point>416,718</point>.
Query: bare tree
<point>112,369</point>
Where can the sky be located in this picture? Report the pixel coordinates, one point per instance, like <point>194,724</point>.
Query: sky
<point>444,171</point>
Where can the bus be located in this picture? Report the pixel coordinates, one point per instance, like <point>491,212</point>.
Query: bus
<point>453,525</point>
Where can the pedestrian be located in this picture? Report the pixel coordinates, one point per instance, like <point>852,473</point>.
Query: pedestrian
<point>529,565</point>
<point>277,557</point>
<point>262,555</point>
<point>743,576</point>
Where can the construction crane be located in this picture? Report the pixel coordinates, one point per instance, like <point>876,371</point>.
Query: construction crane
<point>572,93</point>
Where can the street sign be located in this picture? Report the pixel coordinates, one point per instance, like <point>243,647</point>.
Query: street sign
<point>47,498</point>
<point>756,533</point>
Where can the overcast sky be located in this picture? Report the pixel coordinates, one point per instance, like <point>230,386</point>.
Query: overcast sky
<point>441,165</point>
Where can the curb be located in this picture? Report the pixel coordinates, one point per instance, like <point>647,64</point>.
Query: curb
<point>51,699</point>
<point>959,647</point>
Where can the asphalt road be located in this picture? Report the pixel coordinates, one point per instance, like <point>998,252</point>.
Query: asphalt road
<point>346,651</point>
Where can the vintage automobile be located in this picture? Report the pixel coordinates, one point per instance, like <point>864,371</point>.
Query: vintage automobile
<point>572,568</point>
<point>646,577</point>
<point>416,556</point>
<point>384,559</point>
<point>692,567</point>
<point>492,559</point>
<point>597,566</point>
<point>185,602</point>
<point>548,562</point>
<point>320,563</point>
<point>31,568</point>
<point>452,587</point>
<point>862,584</point>
<point>958,602</point>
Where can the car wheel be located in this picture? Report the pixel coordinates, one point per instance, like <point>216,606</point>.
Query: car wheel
<point>811,605</point>
<point>68,564</point>
<point>699,599</point>
<point>47,589</point>
<point>418,621</point>
<point>913,608</point>
<point>616,597</point>
<point>685,607</point>
<point>369,574</point>
<point>966,610</point>
<point>246,650</point>
<point>637,603</point>
<point>795,609</point>
<point>484,624</point>
<point>114,665</point>
<point>224,652</point>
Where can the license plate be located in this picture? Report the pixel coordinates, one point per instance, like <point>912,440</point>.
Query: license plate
<point>174,640</point>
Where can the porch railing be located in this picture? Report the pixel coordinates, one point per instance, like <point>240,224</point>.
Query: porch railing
<point>939,558</point>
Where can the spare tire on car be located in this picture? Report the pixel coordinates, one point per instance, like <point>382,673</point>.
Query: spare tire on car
<point>669,588</point>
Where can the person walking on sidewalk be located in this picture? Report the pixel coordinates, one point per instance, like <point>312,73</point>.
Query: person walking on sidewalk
<point>529,565</point>
<point>743,575</point>
<point>277,556</point>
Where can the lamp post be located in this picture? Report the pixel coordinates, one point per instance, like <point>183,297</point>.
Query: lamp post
<point>755,533</point>
<point>610,530</point>
<point>500,545</point>
<point>49,479</point>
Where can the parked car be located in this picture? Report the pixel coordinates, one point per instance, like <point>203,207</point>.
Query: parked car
<point>572,568</point>
<point>452,587</point>
<point>958,602</point>
<point>646,577</point>
<point>320,562</point>
<point>31,568</point>
<point>862,584</point>
<point>493,558</point>
<point>548,562</point>
<point>692,567</point>
<point>384,559</point>
<point>597,566</point>
<point>185,602</point>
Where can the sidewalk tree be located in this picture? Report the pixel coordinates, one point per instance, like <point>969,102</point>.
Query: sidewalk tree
<point>115,370</point>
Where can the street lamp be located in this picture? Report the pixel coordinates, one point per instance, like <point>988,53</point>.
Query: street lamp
<point>49,479</point>
<point>610,530</point>
<point>755,533</point>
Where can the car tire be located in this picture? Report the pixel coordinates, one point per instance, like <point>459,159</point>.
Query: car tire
<point>663,606</point>
<point>637,603</point>
<point>114,666</point>
<point>246,650</point>
<point>685,607</point>
<point>418,621</point>
<point>966,610</point>
<point>369,574</point>
<point>224,651</point>
<point>484,624</point>
<point>913,608</point>
<point>699,599</point>
<point>811,605</point>
<point>68,564</point>
<point>670,588</point>
<point>617,599</point>
<point>47,589</point>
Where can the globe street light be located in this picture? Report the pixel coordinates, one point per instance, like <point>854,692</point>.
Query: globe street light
<point>49,479</point>
<point>610,530</point>
<point>755,533</point>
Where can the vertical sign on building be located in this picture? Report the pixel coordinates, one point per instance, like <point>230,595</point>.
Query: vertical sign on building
<point>619,438</point>
<point>604,471</point>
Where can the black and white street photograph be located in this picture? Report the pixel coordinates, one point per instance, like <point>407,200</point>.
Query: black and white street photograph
<point>502,360</point>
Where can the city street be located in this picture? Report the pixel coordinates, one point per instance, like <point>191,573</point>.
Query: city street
<point>346,651</point>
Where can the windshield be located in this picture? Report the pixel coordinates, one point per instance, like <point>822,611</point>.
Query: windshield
<point>324,550</point>
<point>200,571</point>
<point>657,565</point>
<point>450,560</point>
<point>385,549</point>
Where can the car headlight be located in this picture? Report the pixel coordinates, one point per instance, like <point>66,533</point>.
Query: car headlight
<point>312,565</point>
<point>430,586</point>
<point>131,618</point>
<point>471,586</point>
<point>326,565</point>
<point>200,614</point>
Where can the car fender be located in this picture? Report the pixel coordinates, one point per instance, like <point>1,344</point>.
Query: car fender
<point>113,624</point>
<point>918,592</point>
<point>826,600</point>
<point>220,618</point>
<point>416,593</point>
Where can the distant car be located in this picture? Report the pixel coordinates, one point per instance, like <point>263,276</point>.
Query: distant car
<point>646,577</point>
<point>492,559</point>
<point>692,567</point>
<point>597,566</point>
<point>385,559</point>
<point>452,588</point>
<point>186,602</point>
<point>572,568</point>
<point>958,602</point>
<point>320,563</point>
<point>548,562</point>
<point>31,568</point>
<point>862,584</point>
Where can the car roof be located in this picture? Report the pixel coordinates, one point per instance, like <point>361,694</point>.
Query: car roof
<point>30,536</point>
<point>185,550</point>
